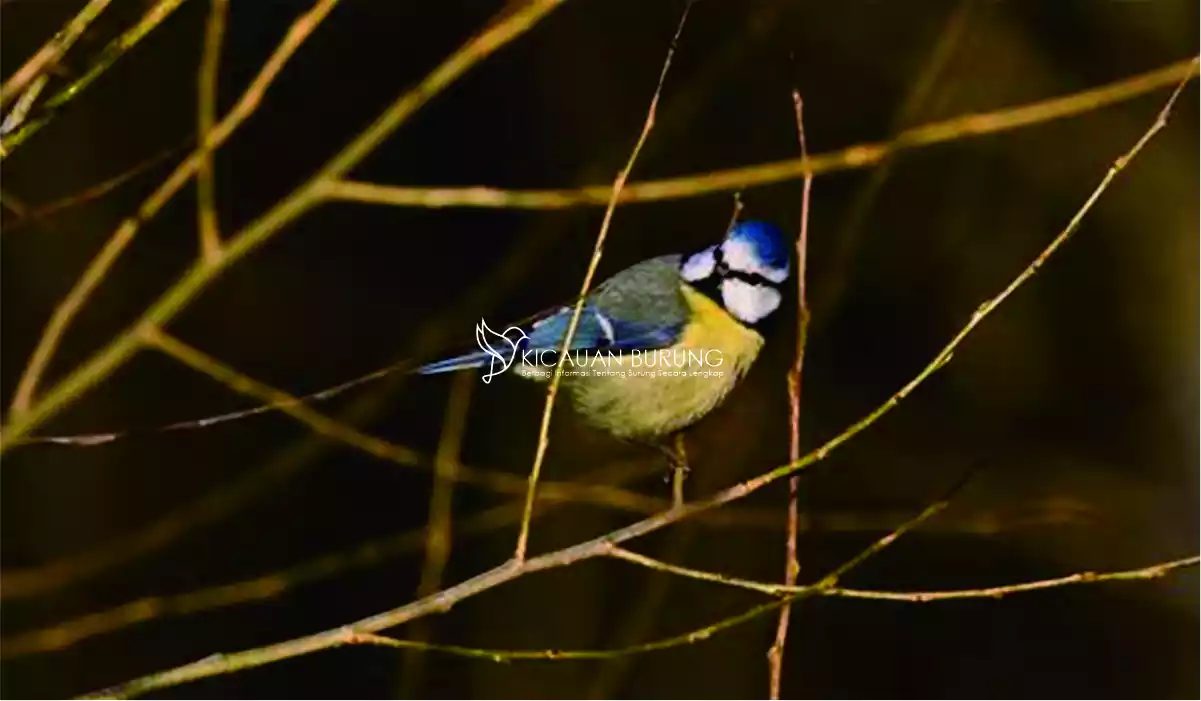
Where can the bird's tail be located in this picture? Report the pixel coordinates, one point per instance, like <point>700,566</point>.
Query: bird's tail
<point>477,359</point>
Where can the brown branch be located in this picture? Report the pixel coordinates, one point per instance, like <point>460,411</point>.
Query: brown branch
<point>514,568</point>
<point>552,391</point>
<point>98,268</point>
<point>206,116</point>
<point>503,482</point>
<point>854,157</point>
<point>917,597</point>
<point>16,117</point>
<point>775,655</point>
<point>92,192</point>
<point>52,51</point>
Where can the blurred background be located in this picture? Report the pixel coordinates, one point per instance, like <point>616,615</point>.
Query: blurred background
<point>1078,398</point>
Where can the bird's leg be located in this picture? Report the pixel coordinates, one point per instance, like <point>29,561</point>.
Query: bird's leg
<point>677,455</point>
<point>677,461</point>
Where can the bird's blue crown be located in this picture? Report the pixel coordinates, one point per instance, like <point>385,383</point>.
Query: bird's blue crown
<point>767,241</point>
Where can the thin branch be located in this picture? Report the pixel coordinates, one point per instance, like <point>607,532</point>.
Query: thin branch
<point>716,577</point>
<point>21,417</point>
<point>854,157</point>
<point>14,204</point>
<point>39,212</point>
<point>318,422</point>
<point>552,391</point>
<point>514,568</point>
<point>16,117</point>
<point>775,655</point>
<point>919,597</point>
<point>116,49</point>
<point>916,597</point>
<point>51,52</point>
<point>206,117</point>
<point>87,440</point>
<point>299,201</point>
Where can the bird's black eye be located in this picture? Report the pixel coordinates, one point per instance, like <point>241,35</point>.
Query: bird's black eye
<point>722,269</point>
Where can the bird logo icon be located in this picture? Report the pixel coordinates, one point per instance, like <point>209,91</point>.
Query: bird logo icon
<point>490,342</point>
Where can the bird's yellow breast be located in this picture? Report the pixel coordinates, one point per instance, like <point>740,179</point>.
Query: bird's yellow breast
<point>657,393</point>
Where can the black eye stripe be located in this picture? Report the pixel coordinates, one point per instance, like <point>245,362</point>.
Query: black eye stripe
<point>723,270</point>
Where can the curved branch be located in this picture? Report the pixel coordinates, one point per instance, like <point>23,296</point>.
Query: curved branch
<point>853,157</point>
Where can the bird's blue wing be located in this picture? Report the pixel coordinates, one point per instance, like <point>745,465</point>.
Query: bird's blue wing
<point>595,331</point>
<point>599,331</point>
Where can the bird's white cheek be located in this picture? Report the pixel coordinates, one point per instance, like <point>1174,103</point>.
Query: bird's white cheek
<point>750,303</point>
<point>699,266</point>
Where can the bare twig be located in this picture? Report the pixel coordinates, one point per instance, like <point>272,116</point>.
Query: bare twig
<point>115,50</point>
<point>858,156</point>
<point>16,117</point>
<point>916,597</point>
<point>514,568</point>
<point>299,201</point>
<point>552,391</point>
<point>318,422</point>
<point>87,440</point>
<point>51,52</point>
<point>123,236</point>
<point>206,116</point>
<point>40,212</point>
<point>1151,572</point>
<point>775,655</point>
<point>717,577</point>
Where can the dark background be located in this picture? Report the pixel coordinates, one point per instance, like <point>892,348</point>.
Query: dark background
<point>1079,396</point>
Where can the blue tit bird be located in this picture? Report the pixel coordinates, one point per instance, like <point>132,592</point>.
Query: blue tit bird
<point>647,317</point>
